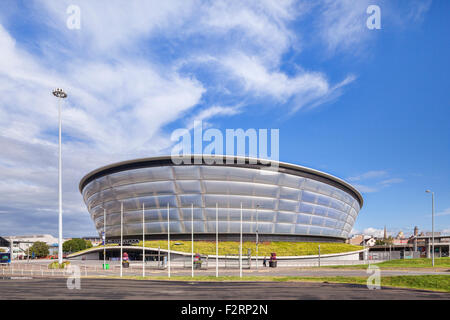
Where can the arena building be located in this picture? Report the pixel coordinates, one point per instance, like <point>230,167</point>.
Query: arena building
<point>293,203</point>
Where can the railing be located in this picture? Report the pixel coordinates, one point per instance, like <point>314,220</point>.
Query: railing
<point>187,262</point>
<point>232,261</point>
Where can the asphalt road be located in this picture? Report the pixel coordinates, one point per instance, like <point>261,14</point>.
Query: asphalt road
<point>45,288</point>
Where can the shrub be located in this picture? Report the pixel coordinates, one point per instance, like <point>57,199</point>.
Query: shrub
<point>56,265</point>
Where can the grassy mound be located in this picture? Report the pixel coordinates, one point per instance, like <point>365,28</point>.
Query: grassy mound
<point>406,263</point>
<point>96,247</point>
<point>264,248</point>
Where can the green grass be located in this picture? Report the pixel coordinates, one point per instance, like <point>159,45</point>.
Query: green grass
<point>424,282</point>
<point>405,263</point>
<point>264,248</point>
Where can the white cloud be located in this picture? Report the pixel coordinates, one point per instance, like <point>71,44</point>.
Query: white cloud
<point>389,182</point>
<point>365,189</point>
<point>379,233</point>
<point>445,212</point>
<point>211,112</point>
<point>368,175</point>
<point>342,24</point>
<point>373,181</point>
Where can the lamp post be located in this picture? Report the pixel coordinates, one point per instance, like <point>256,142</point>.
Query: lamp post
<point>432,225</point>
<point>121,239</point>
<point>60,94</point>
<point>168,240</point>
<point>217,239</point>
<point>257,240</point>
<point>103,234</point>
<point>104,239</point>
<point>192,239</point>
<point>240,248</point>
<point>143,239</point>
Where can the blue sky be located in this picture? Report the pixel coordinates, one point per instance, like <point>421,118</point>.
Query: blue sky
<point>368,106</point>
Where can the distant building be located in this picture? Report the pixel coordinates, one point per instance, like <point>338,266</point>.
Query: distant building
<point>430,234</point>
<point>94,240</point>
<point>356,239</point>
<point>369,242</point>
<point>22,243</point>
<point>4,244</point>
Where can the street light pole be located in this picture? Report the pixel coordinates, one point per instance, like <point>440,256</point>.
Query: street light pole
<point>143,239</point>
<point>168,240</point>
<point>104,239</point>
<point>60,94</point>
<point>257,240</point>
<point>240,248</point>
<point>432,226</point>
<point>192,239</point>
<point>217,239</point>
<point>121,239</point>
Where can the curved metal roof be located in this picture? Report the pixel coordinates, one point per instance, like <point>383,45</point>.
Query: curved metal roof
<point>237,161</point>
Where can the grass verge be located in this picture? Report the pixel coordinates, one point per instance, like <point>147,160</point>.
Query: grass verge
<point>404,263</point>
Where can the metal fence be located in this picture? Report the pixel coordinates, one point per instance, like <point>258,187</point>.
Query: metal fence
<point>393,255</point>
<point>187,262</point>
<point>232,261</point>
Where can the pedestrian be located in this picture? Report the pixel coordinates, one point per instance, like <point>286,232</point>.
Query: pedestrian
<point>265,262</point>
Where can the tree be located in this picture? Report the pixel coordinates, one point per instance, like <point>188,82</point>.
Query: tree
<point>384,242</point>
<point>39,248</point>
<point>76,244</point>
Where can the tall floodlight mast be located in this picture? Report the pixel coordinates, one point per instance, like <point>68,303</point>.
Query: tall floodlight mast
<point>60,94</point>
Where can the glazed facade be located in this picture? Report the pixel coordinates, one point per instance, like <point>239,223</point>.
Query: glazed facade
<point>294,201</point>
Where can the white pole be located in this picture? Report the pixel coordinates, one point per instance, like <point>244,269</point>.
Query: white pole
<point>121,237</point>
<point>60,250</point>
<point>192,238</point>
<point>217,239</point>
<point>432,227</point>
<point>240,249</point>
<point>319,255</point>
<point>104,239</point>
<point>143,239</point>
<point>168,240</point>
<point>11,249</point>
<point>257,240</point>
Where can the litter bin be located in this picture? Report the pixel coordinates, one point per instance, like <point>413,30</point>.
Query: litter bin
<point>273,260</point>
<point>125,262</point>
<point>197,261</point>
<point>105,266</point>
